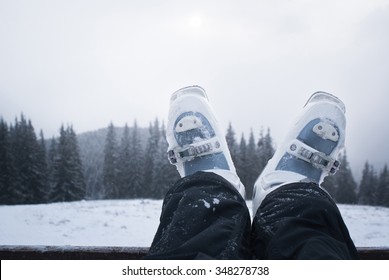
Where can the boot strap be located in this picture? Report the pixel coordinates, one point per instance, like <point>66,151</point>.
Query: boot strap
<point>197,149</point>
<point>318,159</point>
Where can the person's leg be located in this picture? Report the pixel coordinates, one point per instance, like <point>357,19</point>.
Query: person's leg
<point>301,221</point>
<point>204,215</point>
<point>294,217</point>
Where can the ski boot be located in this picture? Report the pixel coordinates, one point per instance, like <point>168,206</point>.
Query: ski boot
<point>195,140</point>
<point>310,149</point>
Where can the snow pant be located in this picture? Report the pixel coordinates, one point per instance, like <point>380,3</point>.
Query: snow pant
<point>204,217</point>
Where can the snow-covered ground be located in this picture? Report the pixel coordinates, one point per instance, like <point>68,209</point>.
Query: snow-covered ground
<point>134,222</point>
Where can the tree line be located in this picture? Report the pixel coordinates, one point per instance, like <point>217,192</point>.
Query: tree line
<point>133,170</point>
<point>31,172</point>
<point>133,164</point>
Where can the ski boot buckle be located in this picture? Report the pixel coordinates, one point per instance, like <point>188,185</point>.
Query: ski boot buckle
<point>316,158</point>
<point>194,150</point>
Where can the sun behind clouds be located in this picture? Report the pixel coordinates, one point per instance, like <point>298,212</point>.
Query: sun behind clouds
<point>196,22</point>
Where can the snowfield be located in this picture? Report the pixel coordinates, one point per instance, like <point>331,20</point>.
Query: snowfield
<point>134,222</point>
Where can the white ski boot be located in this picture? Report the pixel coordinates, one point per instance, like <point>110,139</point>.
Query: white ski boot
<point>195,140</point>
<point>310,149</point>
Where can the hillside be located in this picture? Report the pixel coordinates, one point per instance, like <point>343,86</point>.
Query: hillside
<point>92,155</point>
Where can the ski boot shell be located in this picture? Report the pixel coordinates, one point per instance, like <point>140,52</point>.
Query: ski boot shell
<point>195,140</point>
<point>310,149</point>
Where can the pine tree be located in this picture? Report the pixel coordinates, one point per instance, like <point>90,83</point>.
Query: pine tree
<point>6,165</point>
<point>137,162</point>
<point>374,179</point>
<point>124,184</point>
<point>29,178</point>
<point>231,143</point>
<point>53,169</point>
<point>252,167</point>
<point>383,188</point>
<point>78,189</point>
<point>37,177</point>
<point>42,191</point>
<point>151,152</point>
<point>164,174</point>
<point>367,191</point>
<point>159,179</point>
<point>71,184</point>
<point>346,186</point>
<point>21,155</point>
<point>330,185</point>
<point>265,149</point>
<point>110,171</point>
<point>241,162</point>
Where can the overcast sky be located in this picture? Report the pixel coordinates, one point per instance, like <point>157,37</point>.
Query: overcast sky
<point>90,62</point>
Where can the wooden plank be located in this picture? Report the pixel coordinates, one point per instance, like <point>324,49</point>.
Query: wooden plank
<point>120,253</point>
<point>71,253</point>
<point>373,253</point>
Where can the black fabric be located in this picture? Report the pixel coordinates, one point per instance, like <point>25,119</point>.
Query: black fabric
<point>204,217</point>
<point>301,221</point>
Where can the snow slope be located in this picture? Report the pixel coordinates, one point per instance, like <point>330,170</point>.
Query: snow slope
<point>134,222</point>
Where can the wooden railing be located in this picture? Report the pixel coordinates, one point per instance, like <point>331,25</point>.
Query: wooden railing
<point>120,253</point>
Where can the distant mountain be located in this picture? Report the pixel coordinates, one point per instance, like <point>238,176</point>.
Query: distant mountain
<point>92,155</point>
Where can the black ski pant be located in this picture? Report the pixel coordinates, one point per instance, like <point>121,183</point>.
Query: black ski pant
<point>204,217</point>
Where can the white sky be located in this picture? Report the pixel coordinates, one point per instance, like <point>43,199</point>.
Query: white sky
<point>89,62</point>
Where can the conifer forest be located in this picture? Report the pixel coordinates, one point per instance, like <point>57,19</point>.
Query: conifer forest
<point>130,162</point>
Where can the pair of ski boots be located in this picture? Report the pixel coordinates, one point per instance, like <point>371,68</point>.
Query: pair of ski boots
<point>307,154</point>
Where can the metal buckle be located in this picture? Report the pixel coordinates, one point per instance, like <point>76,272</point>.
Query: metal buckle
<point>194,150</point>
<point>172,157</point>
<point>316,158</point>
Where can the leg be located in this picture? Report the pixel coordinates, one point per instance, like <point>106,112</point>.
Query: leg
<point>301,221</point>
<point>203,216</point>
<point>294,217</point>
